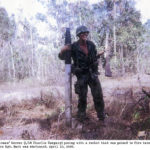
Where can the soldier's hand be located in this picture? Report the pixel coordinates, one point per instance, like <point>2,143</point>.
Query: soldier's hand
<point>65,48</point>
<point>100,53</point>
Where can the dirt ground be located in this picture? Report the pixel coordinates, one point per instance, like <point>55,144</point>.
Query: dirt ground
<point>37,112</point>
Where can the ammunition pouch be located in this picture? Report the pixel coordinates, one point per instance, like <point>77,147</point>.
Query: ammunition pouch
<point>94,77</point>
<point>76,70</point>
<point>94,67</point>
<point>77,88</point>
<point>94,71</point>
<point>80,84</point>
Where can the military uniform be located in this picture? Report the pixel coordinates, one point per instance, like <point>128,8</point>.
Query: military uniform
<point>85,67</point>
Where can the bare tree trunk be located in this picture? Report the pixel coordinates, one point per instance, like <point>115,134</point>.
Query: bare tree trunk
<point>122,61</point>
<point>9,70</point>
<point>114,31</point>
<point>138,61</point>
<point>45,69</point>
<point>39,67</point>
<point>2,60</point>
<point>42,69</point>
<point>80,14</point>
<point>32,49</point>
<point>12,61</point>
<point>108,72</point>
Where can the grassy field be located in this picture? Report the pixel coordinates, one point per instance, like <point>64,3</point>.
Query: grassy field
<point>43,117</point>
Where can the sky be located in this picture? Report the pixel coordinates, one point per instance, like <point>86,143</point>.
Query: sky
<point>29,8</point>
<point>144,7</point>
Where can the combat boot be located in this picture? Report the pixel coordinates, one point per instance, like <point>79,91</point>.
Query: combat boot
<point>81,116</point>
<point>102,116</point>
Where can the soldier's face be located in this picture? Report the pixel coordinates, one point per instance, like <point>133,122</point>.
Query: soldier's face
<point>84,36</point>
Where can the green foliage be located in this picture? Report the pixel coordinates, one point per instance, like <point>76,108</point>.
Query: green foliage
<point>7,25</point>
<point>41,17</point>
<point>34,55</point>
<point>136,115</point>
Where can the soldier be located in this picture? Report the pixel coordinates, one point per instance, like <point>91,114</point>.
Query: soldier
<point>85,67</point>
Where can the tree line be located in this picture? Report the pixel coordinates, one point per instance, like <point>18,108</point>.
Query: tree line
<point>115,26</point>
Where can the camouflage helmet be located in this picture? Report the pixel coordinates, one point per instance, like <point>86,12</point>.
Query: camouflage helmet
<point>81,29</point>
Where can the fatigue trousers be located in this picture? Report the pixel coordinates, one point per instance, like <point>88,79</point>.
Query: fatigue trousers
<point>83,82</point>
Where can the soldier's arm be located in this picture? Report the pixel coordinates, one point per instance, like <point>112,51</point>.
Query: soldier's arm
<point>100,54</point>
<point>61,55</point>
